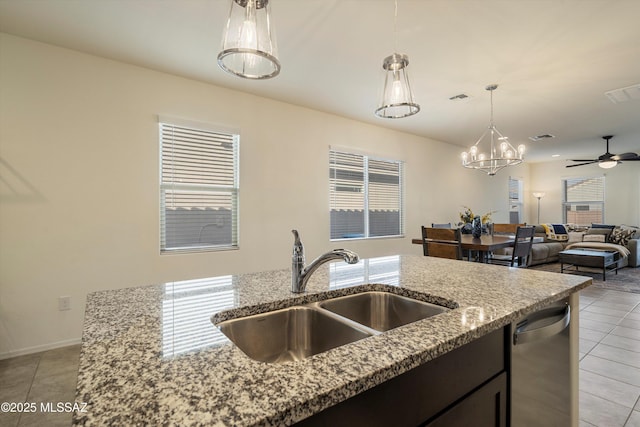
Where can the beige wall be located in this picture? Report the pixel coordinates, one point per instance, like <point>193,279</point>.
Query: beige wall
<point>622,190</point>
<point>79,190</point>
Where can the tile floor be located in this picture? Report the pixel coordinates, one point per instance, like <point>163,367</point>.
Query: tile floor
<point>46,377</point>
<point>609,358</point>
<point>609,368</point>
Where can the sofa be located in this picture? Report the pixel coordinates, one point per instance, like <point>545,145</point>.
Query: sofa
<point>624,239</point>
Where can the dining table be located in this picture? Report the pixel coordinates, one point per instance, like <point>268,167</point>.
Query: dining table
<point>484,244</point>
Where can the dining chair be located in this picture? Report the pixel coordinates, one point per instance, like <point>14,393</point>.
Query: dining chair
<point>521,249</point>
<point>506,228</point>
<point>435,225</point>
<point>441,242</point>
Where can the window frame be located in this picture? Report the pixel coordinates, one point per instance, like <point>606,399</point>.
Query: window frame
<point>366,158</point>
<point>234,190</point>
<point>566,203</point>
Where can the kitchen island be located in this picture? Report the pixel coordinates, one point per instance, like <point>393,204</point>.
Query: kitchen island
<point>150,355</point>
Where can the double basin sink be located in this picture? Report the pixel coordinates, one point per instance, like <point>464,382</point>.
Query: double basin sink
<point>298,332</point>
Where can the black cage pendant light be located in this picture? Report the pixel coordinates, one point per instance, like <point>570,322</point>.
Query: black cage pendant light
<point>249,45</point>
<point>397,98</point>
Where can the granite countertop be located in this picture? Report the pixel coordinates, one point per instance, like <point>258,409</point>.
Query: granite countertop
<point>150,355</point>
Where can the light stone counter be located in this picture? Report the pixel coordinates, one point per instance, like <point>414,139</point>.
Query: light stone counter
<point>151,356</point>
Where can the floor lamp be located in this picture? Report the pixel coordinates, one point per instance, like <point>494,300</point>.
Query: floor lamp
<point>538,195</point>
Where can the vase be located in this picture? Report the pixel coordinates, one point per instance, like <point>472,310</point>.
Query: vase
<point>476,227</point>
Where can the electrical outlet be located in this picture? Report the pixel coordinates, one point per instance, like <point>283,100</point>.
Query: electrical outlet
<point>64,303</point>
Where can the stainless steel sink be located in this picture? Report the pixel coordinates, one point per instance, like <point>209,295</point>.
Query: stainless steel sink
<point>381,310</point>
<point>299,332</point>
<point>289,334</point>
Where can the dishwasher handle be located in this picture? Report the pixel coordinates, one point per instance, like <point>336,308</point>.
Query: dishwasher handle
<point>523,337</point>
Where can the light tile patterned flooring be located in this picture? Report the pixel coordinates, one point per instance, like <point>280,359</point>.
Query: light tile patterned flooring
<point>609,368</point>
<point>609,358</point>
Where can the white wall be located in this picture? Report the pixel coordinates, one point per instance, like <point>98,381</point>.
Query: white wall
<point>622,190</point>
<point>79,190</point>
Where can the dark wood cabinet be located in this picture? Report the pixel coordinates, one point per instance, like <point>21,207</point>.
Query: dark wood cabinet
<point>468,381</point>
<point>485,407</point>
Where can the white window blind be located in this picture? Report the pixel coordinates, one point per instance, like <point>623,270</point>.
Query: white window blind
<point>515,200</point>
<point>583,200</point>
<point>199,189</point>
<point>365,196</point>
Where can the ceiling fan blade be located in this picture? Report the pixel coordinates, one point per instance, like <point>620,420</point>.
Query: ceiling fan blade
<point>625,156</point>
<point>585,160</point>
<point>582,164</point>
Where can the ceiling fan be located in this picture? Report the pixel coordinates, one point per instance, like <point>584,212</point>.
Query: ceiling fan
<point>607,160</point>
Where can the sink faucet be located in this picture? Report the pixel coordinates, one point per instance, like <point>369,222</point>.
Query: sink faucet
<point>300,274</point>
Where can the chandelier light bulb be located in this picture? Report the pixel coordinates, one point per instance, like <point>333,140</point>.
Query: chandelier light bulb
<point>521,150</point>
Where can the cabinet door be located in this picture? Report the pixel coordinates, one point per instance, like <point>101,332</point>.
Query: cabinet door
<point>486,407</point>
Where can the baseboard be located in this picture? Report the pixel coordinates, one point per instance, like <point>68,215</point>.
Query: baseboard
<point>39,348</point>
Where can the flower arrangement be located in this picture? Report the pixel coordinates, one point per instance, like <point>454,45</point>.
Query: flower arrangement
<point>466,216</point>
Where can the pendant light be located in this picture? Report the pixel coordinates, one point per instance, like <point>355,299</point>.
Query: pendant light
<point>397,98</point>
<point>248,45</point>
<point>494,157</point>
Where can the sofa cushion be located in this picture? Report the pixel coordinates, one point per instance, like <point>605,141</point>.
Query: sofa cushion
<point>594,238</point>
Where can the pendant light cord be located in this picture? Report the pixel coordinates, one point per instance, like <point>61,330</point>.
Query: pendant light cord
<point>395,26</point>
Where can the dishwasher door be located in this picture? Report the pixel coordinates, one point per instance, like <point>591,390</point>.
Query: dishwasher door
<point>541,368</point>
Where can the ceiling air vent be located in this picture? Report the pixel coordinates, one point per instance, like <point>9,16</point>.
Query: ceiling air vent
<point>461,96</point>
<point>624,94</point>
<point>541,137</point>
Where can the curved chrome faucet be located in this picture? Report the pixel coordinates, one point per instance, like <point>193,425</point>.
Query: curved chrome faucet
<point>300,274</point>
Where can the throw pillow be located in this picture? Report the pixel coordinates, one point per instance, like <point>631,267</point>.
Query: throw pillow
<point>636,230</point>
<point>621,236</point>
<point>556,232</point>
<point>605,231</point>
<point>593,238</point>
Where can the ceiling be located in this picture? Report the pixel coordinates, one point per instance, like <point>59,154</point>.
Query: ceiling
<point>552,59</point>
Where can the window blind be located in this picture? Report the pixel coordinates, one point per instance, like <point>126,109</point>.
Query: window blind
<point>583,200</point>
<point>199,188</point>
<point>365,196</point>
<point>515,200</point>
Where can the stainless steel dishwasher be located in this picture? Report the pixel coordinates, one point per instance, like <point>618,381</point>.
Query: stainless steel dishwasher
<point>541,388</point>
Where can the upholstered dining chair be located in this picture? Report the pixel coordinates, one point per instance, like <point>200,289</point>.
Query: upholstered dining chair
<point>521,249</point>
<point>441,242</point>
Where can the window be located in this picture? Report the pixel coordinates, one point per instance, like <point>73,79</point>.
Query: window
<point>365,196</point>
<point>198,188</point>
<point>583,200</point>
<point>515,201</point>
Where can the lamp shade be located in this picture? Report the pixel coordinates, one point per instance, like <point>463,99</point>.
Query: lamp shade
<point>397,98</point>
<point>248,45</point>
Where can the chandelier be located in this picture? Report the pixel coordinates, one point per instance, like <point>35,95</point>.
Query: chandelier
<point>248,45</point>
<point>500,152</point>
<point>397,98</point>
